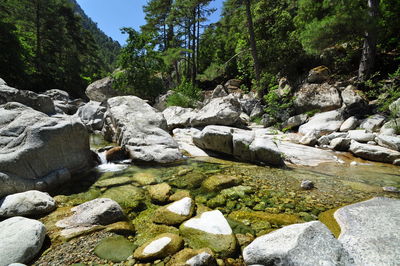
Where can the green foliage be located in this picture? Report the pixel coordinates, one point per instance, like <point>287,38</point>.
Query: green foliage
<point>185,95</point>
<point>140,66</point>
<point>277,104</point>
<point>212,72</point>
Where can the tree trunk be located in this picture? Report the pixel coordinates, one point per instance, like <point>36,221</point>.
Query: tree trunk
<point>252,41</point>
<point>38,35</point>
<point>369,48</point>
<point>194,70</point>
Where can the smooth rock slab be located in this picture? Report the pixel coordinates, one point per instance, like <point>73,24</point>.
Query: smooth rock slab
<point>390,142</point>
<point>210,230</point>
<point>159,247</point>
<point>300,244</point>
<point>370,231</point>
<point>20,240</point>
<point>323,123</point>
<point>374,152</point>
<point>26,203</point>
<point>101,211</point>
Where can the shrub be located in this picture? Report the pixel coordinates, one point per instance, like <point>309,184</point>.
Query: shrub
<point>185,95</point>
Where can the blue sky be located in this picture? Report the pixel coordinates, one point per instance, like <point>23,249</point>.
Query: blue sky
<point>111,15</point>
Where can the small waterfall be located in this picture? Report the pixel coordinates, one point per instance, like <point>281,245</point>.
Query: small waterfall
<point>108,166</point>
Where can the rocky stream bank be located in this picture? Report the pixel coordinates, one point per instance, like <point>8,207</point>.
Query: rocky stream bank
<point>195,187</point>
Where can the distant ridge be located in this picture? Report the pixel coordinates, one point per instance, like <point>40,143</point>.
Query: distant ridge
<point>109,48</point>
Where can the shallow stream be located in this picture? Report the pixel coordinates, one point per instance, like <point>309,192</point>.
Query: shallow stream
<point>258,200</point>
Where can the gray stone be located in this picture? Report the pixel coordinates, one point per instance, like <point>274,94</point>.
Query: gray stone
<point>323,123</point>
<point>2,82</point>
<point>340,144</point>
<point>92,115</point>
<point>219,91</point>
<point>265,150</point>
<point>318,74</point>
<point>215,138</point>
<point>295,121</point>
<point>391,189</point>
<point>391,127</point>
<point>159,247</point>
<point>184,138</point>
<point>394,107</point>
<point>233,84</point>
<point>20,240</point>
<point>349,124</point>
<point>58,95</point>
<point>177,117</point>
<point>219,111</point>
<point>249,104</point>
<point>38,152</point>
<point>161,101</point>
<point>373,123</point>
<point>335,135</point>
<point>284,87</point>
<point>370,231</point>
<point>322,97</point>
<point>361,136</point>
<point>299,244</point>
<point>132,123</point>
<point>323,141</point>
<point>101,90</point>
<point>258,111</point>
<point>39,102</point>
<point>307,184</point>
<point>354,100</point>
<point>27,203</point>
<point>267,120</point>
<point>374,152</point>
<point>390,142</point>
<point>100,211</point>
<point>309,139</point>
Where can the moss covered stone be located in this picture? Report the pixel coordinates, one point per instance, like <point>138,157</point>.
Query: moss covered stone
<point>128,196</point>
<point>210,230</point>
<point>190,256</point>
<point>219,182</point>
<point>159,247</point>
<point>111,182</point>
<point>159,193</point>
<point>115,249</point>
<point>175,213</point>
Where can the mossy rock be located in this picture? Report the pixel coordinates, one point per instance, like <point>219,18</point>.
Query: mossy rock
<point>112,182</point>
<point>159,247</point>
<point>80,198</point>
<point>144,178</point>
<point>219,182</point>
<point>175,213</point>
<point>218,201</point>
<point>240,228</point>
<point>122,228</point>
<point>159,193</point>
<point>262,220</point>
<point>329,220</point>
<point>115,249</point>
<point>190,256</point>
<point>128,196</point>
<point>237,192</point>
<point>191,180</point>
<point>179,194</point>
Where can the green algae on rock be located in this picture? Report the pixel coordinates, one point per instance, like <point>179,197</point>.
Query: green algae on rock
<point>219,182</point>
<point>115,249</point>
<point>189,256</point>
<point>330,221</point>
<point>175,213</point>
<point>128,196</point>
<point>159,247</point>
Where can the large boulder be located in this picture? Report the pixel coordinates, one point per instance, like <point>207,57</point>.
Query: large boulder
<point>240,143</point>
<point>295,121</point>
<point>300,244</point>
<point>37,151</point>
<point>57,95</point>
<point>390,142</point>
<point>361,136</point>
<point>219,91</point>
<point>391,128</point>
<point>101,90</point>
<point>349,124</point>
<point>373,123</point>
<point>322,97</point>
<point>374,152</point>
<point>370,231</point>
<point>323,123</point>
<point>178,117</point>
<point>132,123</point>
<point>219,111</point>
<point>27,203</point>
<point>354,100</point>
<point>318,74</point>
<point>210,230</point>
<point>39,102</point>
<point>20,240</point>
<point>92,115</point>
<point>184,138</point>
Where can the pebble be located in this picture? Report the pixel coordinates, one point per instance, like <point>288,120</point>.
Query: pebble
<point>307,184</point>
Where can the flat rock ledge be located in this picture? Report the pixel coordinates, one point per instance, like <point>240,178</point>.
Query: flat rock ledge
<point>300,244</point>
<point>370,231</point>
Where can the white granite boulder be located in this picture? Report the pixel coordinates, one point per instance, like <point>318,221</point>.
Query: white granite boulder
<point>20,240</point>
<point>370,231</point>
<point>299,244</point>
<point>373,123</point>
<point>361,135</point>
<point>374,152</point>
<point>27,203</point>
<point>175,213</point>
<point>210,230</point>
<point>323,123</point>
<point>349,124</point>
<point>390,142</point>
<point>322,97</point>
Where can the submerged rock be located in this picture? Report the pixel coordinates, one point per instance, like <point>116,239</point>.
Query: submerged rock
<point>115,249</point>
<point>26,203</point>
<point>300,244</point>
<point>39,152</point>
<point>370,231</point>
<point>160,192</point>
<point>132,123</point>
<point>20,240</point>
<point>159,247</point>
<point>210,230</point>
